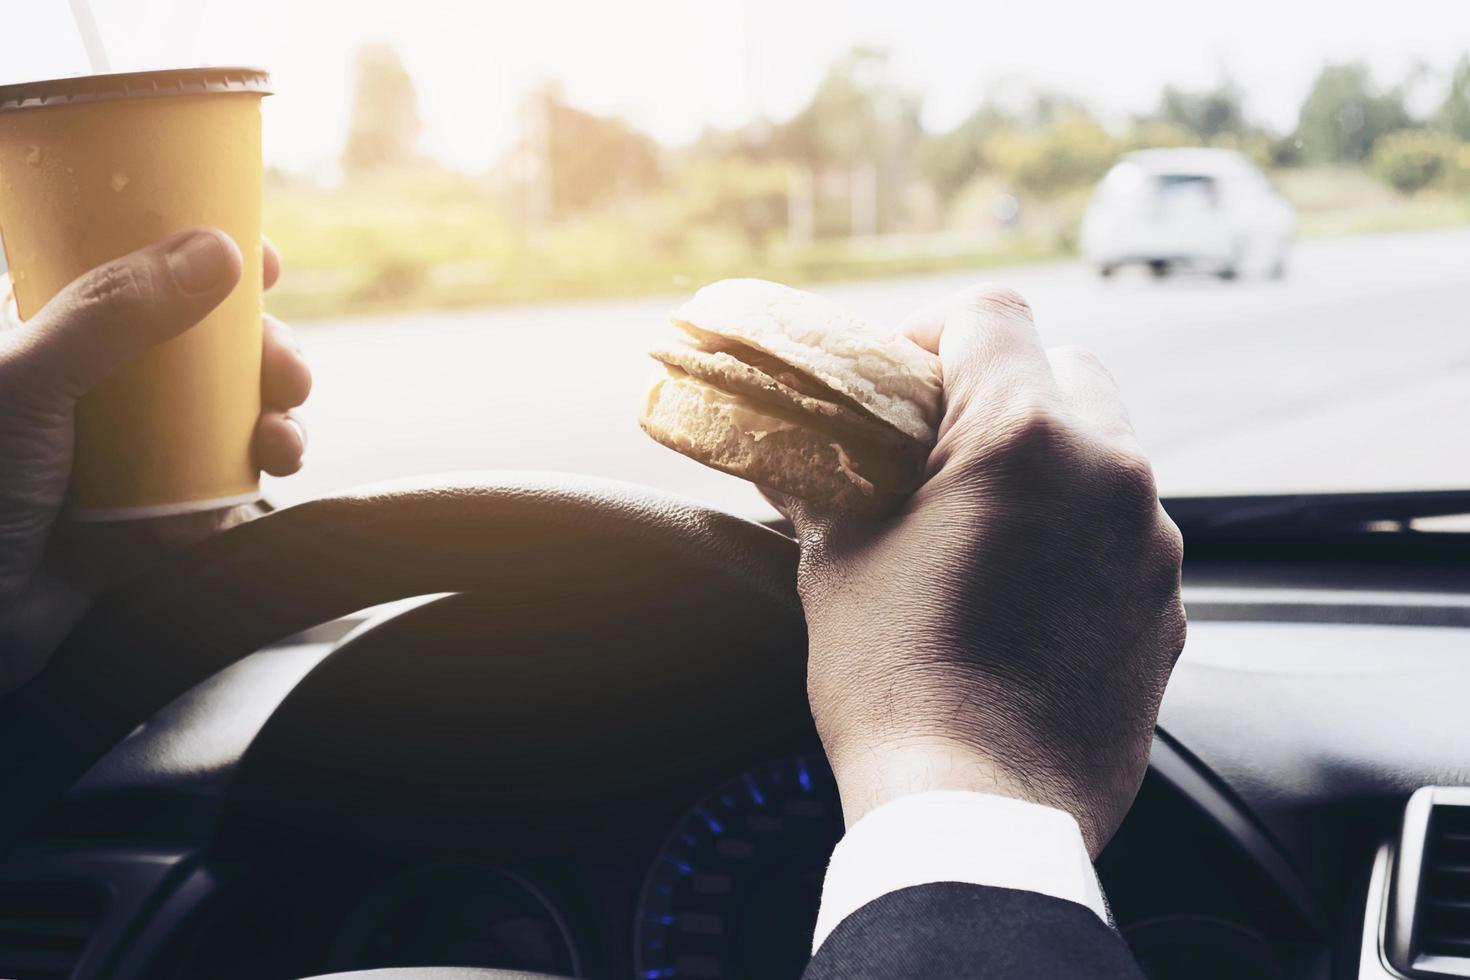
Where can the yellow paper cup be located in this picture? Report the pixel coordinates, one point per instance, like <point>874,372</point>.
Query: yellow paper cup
<point>94,167</point>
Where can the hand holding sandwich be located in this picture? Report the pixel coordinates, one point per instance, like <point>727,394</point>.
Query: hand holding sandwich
<point>991,587</point>
<point>1011,628</point>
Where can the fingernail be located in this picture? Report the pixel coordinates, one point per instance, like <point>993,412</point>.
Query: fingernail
<point>199,263</point>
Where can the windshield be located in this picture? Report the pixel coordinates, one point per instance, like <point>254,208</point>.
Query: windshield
<point>1260,221</point>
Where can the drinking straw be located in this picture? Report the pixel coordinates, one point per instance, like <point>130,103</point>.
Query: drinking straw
<point>81,11</point>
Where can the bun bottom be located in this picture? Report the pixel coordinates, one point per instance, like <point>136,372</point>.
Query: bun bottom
<point>721,431</point>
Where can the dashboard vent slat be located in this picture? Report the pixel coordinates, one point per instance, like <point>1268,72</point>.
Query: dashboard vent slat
<point>1452,947</point>
<point>45,927</point>
<point>1444,927</point>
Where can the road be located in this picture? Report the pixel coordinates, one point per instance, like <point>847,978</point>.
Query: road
<point>1351,373</point>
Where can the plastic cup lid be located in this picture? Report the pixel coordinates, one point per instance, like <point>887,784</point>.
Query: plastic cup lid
<point>133,85</point>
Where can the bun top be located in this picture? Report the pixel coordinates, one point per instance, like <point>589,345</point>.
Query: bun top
<point>882,372</point>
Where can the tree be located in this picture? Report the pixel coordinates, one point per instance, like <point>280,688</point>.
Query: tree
<point>951,160</point>
<point>857,122</point>
<point>1208,114</point>
<point>1073,151</point>
<point>384,131</point>
<point>854,117</point>
<point>1454,113</point>
<point>1345,114</point>
<point>1049,107</point>
<point>587,160</point>
<point>1413,159</point>
<point>746,196</point>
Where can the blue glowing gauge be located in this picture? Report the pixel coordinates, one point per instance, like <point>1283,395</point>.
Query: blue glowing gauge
<point>733,893</point>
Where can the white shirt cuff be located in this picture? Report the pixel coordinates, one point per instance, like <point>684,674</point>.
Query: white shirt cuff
<point>955,835</point>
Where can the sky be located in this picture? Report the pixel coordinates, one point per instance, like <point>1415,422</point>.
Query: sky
<point>673,67</point>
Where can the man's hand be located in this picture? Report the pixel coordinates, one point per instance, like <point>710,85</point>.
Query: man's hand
<point>91,328</point>
<point>1011,630</point>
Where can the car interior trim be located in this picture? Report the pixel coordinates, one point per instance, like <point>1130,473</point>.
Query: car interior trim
<point>1187,775</point>
<point>1371,964</point>
<point>1286,605</point>
<point>1404,893</point>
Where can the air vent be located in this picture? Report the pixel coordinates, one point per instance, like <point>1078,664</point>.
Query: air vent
<point>44,928</point>
<point>1443,928</point>
<point>1427,933</point>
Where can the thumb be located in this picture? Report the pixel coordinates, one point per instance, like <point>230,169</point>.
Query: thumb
<point>112,314</point>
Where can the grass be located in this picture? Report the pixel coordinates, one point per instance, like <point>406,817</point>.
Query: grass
<point>1343,201</point>
<point>445,243</point>
<point>442,241</point>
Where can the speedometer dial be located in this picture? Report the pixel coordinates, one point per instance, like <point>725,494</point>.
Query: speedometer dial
<point>733,892</point>
<point>460,914</point>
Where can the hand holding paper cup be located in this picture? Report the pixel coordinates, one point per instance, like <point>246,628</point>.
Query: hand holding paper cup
<point>95,167</point>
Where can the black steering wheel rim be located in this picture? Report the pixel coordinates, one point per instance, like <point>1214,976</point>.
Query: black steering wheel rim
<point>186,619</point>
<point>436,973</point>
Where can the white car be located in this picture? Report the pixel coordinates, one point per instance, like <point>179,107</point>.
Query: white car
<point>1204,209</point>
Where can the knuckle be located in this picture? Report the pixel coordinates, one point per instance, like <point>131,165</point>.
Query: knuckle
<point>1076,352</point>
<point>1168,560</point>
<point>1176,631</point>
<point>1026,443</point>
<point>1082,356</point>
<point>1171,541</point>
<point>121,288</point>
<point>1163,561</point>
<point>1029,429</point>
<point>998,300</point>
<point>1130,477</point>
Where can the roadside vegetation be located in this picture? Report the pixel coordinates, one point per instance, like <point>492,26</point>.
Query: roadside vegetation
<point>851,186</point>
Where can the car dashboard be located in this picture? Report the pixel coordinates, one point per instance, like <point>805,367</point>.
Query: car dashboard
<point>308,811</point>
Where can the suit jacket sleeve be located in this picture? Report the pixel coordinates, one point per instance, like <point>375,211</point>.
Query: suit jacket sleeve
<point>956,931</point>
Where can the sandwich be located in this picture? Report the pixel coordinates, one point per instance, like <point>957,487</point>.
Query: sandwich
<point>787,390</point>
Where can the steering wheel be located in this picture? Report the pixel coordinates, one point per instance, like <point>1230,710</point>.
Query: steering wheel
<point>435,973</point>
<point>190,617</point>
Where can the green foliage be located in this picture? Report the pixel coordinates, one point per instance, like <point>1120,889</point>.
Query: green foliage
<point>1207,114</point>
<point>587,205</point>
<point>949,161</point>
<point>1454,112</point>
<point>1051,149</point>
<point>1343,200</point>
<point>748,198</point>
<point>856,116</point>
<point>423,239</point>
<point>1046,108</point>
<point>1345,114</point>
<point>384,128</point>
<point>1072,151</point>
<point>1056,146</point>
<point>856,120</point>
<point>1150,133</point>
<point>1413,159</point>
<point>1285,151</point>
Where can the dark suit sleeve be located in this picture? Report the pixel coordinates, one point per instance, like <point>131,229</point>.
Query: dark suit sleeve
<point>954,931</point>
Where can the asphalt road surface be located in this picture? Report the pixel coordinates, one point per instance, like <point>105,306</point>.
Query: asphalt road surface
<point>1353,372</point>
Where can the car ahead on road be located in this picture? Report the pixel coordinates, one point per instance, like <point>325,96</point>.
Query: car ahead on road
<point>1205,209</point>
<point>585,750</point>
